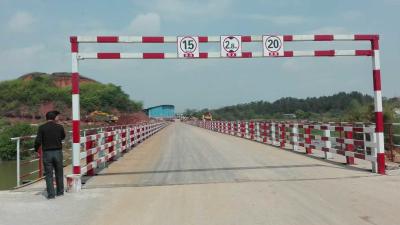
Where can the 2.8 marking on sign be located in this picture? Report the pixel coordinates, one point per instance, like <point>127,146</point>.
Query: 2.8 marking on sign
<point>188,47</point>
<point>273,46</point>
<point>231,46</point>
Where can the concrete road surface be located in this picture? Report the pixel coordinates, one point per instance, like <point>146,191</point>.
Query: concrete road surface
<point>187,175</point>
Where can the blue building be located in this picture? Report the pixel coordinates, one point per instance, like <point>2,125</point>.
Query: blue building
<point>161,111</point>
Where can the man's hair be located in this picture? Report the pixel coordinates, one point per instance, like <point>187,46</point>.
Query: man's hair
<point>52,115</point>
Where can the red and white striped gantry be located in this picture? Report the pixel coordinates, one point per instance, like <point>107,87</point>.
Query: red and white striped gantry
<point>372,52</point>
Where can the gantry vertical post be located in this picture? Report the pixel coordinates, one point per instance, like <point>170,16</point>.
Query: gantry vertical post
<point>74,181</point>
<point>378,104</point>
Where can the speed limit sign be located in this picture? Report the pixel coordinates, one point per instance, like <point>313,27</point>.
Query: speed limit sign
<point>188,47</point>
<point>231,46</point>
<point>273,46</point>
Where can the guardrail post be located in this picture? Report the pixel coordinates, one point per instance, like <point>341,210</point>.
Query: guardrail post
<point>349,147</point>
<point>273,134</point>
<point>295,133</point>
<point>118,144</point>
<point>89,157</point>
<point>246,130</point>
<point>18,162</point>
<point>307,138</point>
<point>268,133</point>
<point>283,135</point>
<point>328,144</point>
<point>110,139</point>
<point>254,131</point>
<point>40,155</point>
<point>374,154</point>
<point>102,152</point>
<point>258,132</point>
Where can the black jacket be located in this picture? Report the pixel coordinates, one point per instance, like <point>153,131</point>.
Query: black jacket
<point>50,136</point>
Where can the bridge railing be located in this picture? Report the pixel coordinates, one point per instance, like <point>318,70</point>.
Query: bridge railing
<point>29,165</point>
<point>392,141</point>
<point>98,146</point>
<point>350,140</point>
<point>101,146</point>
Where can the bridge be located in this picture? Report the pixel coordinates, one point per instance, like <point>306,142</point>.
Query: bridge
<point>220,172</point>
<point>185,174</point>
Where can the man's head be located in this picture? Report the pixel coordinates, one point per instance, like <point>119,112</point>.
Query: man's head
<point>52,115</point>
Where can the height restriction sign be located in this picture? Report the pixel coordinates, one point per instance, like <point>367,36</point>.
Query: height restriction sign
<point>273,46</point>
<point>231,46</point>
<point>188,47</point>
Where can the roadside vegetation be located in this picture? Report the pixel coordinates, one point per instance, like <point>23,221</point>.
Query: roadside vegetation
<point>27,99</point>
<point>349,107</point>
<point>24,98</point>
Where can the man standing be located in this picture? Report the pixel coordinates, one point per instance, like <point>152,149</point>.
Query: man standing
<point>50,136</point>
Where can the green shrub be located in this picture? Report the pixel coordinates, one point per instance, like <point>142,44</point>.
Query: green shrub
<point>7,146</point>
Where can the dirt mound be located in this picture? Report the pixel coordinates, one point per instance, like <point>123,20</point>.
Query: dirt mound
<point>132,118</point>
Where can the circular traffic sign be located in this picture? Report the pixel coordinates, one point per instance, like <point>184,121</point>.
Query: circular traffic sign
<point>231,44</point>
<point>273,44</point>
<point>188,45</point>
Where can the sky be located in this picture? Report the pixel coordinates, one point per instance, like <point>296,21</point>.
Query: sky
<point>35,37</point>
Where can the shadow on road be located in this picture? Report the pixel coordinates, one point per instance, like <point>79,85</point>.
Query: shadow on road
<point>214,169</point>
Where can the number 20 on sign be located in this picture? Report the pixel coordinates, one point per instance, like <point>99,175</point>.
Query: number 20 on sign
<point>273,46</point>
<point>188,47</point>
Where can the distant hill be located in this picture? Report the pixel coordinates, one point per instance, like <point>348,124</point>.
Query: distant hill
<point>352,106</point>
<point>33,94</point>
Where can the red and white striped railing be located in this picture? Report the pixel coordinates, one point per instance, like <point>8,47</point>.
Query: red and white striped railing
<point>106,146</point>
<point>350,140</point>
<point>101,143</point>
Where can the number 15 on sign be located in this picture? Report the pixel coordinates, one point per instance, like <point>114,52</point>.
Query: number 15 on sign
<point>273,46</point>
<point>188,47</point>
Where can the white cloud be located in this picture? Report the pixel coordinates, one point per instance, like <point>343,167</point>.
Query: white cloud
<point>145,24</point>
<point>21,22</point>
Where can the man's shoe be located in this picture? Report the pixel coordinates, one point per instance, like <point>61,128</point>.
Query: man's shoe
<point>60,194</point>
<point>50,197</point>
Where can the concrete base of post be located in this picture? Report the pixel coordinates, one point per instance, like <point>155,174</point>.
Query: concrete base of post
<point>74,183</point>
<point>328,155</point>
<point>374,167</point>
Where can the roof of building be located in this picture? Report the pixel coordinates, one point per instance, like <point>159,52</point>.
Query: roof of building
<point>159,106</point>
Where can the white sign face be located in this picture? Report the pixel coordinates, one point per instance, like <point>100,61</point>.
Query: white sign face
<point>188,47</point>
<point>231,46</point>
<point>273,46</point>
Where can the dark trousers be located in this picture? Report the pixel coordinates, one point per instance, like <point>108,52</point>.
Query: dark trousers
<point>53,161</point>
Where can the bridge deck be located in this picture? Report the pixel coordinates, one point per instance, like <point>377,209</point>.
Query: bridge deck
<point>188,175</point>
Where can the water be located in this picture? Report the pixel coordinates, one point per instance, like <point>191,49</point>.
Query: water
<point>8,173</point>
